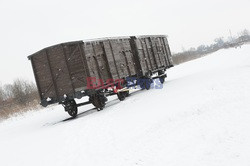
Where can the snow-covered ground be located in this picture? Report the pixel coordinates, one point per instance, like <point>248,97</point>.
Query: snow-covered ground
<point>200,117</point>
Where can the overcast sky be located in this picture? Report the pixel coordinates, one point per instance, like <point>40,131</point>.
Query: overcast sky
<point>29,25</point>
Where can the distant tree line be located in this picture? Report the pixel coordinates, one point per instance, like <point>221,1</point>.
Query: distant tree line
<point>219,43</point>
<point>16,96</point>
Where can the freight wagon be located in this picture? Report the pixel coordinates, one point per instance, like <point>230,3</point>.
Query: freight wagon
<point>98,68</point>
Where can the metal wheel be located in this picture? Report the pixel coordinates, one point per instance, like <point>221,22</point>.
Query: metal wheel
<point>147,85</point>
<point>162,79</point>
<point>127,93</point>
<point>121,95</point>
<point>71,108</point>
<point>98,100</point>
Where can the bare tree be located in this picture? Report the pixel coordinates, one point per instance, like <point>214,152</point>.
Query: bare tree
<point>219,41</point>
<point>17,96</point>
<point>192,49</point>
<point>23,91</point>
<point>1,94</point>
<point>8,94</point>
<point>30,90</point>
<point>201,48</point>
<point>18,90</point>
<point>244,36</point>
<point>245,32</point>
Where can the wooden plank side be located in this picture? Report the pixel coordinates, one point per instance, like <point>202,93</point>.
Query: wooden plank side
<point>156,54</point>
<point>141,56</point>
<point>116,49</point>
<point>123,62</point>
<point>125,56</point>
<point>146,55</point>
<point>165,53</point>
<point>59,71</point>
<point>129,56</point>
<point>101,61</point>
<point>92,64</point>
<point>160,50</point>
<point>111,60</point>
<point>168,52</point>
<point>77,68</point>
<point>135,55</point>
<point>43,78</point>
<point>36,79</point>
<point>150,54</point>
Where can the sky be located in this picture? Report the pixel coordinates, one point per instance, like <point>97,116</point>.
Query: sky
<point>28,26</point>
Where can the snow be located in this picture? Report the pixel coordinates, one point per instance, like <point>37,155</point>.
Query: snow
<point>200,117</point>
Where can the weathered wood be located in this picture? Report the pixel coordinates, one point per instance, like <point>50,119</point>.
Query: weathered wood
<point>64,68</point>
<point>51,75</point>
<point>36,79</point>
<point>67,65</point>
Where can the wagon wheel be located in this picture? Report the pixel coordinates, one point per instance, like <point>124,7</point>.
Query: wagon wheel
<point>98,101</point>
<point>162,79</point>
<point>126,93</point>
<point>147,84</point>
<point>121,96</point>
<point>71,108</point>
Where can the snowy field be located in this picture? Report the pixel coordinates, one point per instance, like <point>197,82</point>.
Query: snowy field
<point>200,118</point>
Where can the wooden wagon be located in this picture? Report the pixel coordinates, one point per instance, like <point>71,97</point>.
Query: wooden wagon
<point>98,68</point>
